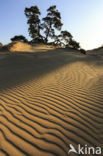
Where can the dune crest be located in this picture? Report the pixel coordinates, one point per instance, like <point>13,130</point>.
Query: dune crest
<point>25,47</point>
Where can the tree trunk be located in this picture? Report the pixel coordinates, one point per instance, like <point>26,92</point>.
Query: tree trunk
<point>46,39</point>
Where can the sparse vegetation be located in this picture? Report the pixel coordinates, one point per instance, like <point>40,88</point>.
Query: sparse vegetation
<point>19,38</point>
<point>4,48</point>
<point>83,51</point>
<point>47,30</point>
<point>73,44</point>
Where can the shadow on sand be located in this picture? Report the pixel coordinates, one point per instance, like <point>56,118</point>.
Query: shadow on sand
<point>20,67</point>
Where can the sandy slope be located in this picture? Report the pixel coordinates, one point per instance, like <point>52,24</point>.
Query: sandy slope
<point>24,47</point>
<point>48,101</point>
<point>97,52</point>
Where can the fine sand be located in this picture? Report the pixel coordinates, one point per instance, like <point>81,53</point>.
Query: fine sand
<point>24,47</point>
<point>49,100</point>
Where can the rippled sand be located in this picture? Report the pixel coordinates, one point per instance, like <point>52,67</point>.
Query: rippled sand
<point>49,100</point>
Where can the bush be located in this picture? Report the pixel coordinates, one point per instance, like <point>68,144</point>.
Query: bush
<point>1,44</point>
<point>19,38</point>
<point>74,44</point>
<point>4,48</point>
<point>83,51</point>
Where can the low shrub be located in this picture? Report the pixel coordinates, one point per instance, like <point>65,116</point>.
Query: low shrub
<point>83,51</point>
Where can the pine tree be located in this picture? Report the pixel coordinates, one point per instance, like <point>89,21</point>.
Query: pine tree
<point>51,22</point>
<point>32,15</point>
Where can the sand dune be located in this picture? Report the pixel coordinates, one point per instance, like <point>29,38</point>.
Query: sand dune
<point>96,52</point>
<point>24,47</point>
<point>48,101</point>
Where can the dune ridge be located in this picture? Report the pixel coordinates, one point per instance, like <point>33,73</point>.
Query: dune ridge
<point>42,116</point>
<point>18,46</point>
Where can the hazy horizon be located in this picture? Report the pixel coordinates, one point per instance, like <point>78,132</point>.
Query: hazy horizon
<point>83,19</point>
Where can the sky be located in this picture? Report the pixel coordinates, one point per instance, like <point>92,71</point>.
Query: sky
<point>82,18</point>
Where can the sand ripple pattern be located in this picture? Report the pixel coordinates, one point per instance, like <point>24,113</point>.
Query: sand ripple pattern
<point>44,116</point>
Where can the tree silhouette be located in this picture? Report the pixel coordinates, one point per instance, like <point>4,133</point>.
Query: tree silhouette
<point>57,40</point>
<point>51,22</point>
<point>19,38</point>
<point>66,37</point>
<point>74,44</point>
<point>63,38</point>
<point>32,15</point>
<point>83,51</point>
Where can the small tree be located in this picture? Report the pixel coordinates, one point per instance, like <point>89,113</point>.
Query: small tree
<point>51,22</point>
<point>32,15</point>
<point>19,38</point>
<point>83,51</point>
<point>74,44</point>
<point>63,38</point>
<point>66,37</point>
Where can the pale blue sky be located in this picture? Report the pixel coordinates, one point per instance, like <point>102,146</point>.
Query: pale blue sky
<point>83,18</point>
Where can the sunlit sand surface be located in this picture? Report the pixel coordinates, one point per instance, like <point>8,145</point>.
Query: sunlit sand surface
<point>49,100</point>
<point>24,47</point>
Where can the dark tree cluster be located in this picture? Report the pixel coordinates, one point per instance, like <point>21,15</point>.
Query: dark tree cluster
<point>47,30</point>
<point>74,44</point>
<point>19,38</point>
